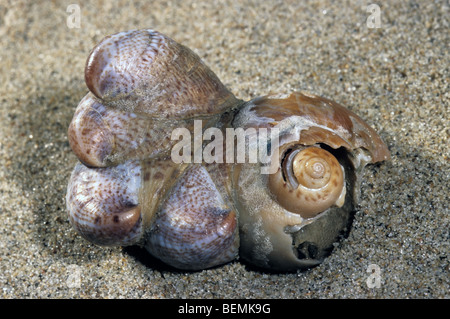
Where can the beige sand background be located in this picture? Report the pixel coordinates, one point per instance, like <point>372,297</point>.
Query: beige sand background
<point>396,77</point>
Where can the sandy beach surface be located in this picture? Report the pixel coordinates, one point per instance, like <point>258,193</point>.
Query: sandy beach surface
<point>393,72</point>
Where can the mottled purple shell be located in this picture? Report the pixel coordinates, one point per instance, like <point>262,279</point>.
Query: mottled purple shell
<point>143,85</point>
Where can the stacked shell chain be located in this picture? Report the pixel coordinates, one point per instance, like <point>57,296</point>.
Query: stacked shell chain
<point>128,190</point>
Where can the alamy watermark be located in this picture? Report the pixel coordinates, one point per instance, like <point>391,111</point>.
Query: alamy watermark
<point>74,19</point>
<point>74,276</point>
<point>374,19</point>
<point>238,146</point>
<point>374,279</point>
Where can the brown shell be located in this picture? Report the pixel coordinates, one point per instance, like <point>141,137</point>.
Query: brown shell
<point>274,234</point>
<point>308,192</point>
<point>345,128</point>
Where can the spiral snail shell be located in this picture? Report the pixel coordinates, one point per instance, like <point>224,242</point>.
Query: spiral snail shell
<point>310,180</point>
<point>128,190</point>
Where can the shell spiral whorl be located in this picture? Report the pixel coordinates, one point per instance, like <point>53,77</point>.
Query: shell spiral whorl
<point>310,181</point>
<point>311,170</point>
